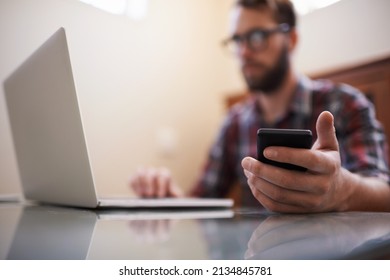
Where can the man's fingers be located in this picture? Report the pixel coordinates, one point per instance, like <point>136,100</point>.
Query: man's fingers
<point>164,183</point>
<point>313,160</point>
<point>154,182</point>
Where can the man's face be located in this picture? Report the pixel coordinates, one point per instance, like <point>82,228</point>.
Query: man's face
<point>264,70</point>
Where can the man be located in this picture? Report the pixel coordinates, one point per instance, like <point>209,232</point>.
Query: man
<point>347,167</point>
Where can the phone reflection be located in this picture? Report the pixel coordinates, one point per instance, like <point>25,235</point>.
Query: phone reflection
<point>322,236</point>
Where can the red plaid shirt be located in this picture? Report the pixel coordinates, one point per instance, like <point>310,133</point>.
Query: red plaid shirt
<point>363,146</point>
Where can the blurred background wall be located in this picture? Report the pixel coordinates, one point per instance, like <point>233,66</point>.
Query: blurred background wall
<point>152,90</point>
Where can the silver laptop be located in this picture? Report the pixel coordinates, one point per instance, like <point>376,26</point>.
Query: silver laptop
<point>48,135</point>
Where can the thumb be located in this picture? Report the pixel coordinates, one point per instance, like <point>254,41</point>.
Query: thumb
<point>326,133</point>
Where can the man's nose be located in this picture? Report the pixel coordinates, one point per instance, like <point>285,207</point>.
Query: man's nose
<point>244,51</point>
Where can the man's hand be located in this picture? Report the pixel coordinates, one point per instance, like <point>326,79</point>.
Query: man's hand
<point>154,182</point>
<point>321,188</point>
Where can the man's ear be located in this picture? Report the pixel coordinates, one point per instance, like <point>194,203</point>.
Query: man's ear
<point>293,39</point>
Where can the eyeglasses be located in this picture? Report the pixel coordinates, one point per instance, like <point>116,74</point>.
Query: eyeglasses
<point>256,39</point>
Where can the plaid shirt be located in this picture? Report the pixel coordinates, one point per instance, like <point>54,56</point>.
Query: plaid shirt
<point>362,142</point>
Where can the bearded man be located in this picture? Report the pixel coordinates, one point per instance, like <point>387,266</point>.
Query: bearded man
<point>347,166</point>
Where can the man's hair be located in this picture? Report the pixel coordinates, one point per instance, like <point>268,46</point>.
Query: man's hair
<point>283,10</point>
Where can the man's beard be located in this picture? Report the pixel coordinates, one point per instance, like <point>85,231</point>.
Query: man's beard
<point>273,77</point>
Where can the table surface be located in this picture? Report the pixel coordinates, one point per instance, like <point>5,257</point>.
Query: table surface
<point>48,232</point>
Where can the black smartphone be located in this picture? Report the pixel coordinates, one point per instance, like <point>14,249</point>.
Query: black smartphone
<point>293,138</point>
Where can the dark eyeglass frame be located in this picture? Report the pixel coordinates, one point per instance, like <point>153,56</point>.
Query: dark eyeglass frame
<point>236,41</point>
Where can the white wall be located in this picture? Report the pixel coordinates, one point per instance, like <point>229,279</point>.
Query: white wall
<point>165,76</point>
<point>344,34</point>
<point>162,77</point>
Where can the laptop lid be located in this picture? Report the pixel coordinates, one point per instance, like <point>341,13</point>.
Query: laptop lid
<point>47,128</point>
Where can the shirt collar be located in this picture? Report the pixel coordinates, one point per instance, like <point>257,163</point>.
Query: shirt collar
<point>301,100</point>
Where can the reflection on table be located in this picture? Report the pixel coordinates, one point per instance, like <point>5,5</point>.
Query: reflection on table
<point>322,236</point>
<point>42,232</point>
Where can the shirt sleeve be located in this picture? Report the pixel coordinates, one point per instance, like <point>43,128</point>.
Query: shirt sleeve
<point>219,172</point>
<point>363,145</point>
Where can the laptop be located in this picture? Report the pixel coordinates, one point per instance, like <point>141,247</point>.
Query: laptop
<point>48,135</point>
<point>9,197</point>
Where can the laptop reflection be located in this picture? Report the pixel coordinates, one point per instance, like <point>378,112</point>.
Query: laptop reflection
<point>61,233</point>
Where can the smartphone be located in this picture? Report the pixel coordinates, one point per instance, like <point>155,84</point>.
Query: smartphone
<point>293,138</point>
